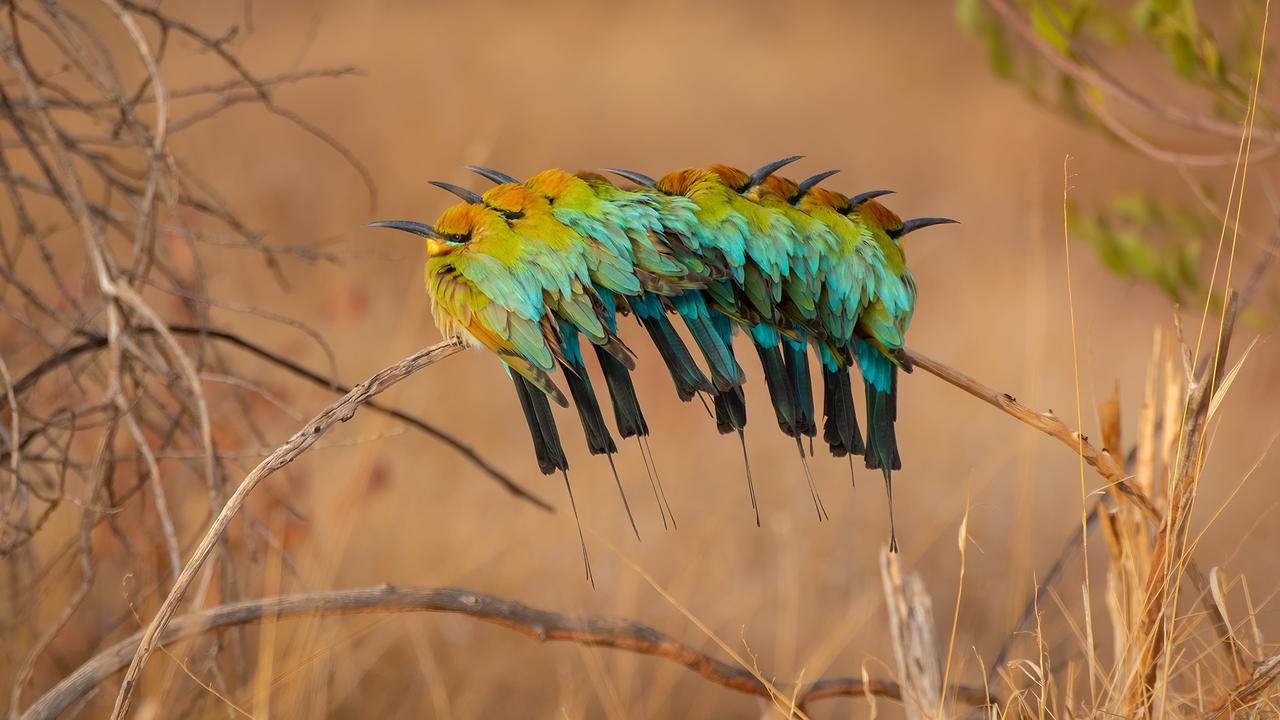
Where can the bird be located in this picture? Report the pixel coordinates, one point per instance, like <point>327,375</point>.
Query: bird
<point>529,268</point>
<point>755,244</point>
<point>852,270</point>
<point>871,263</point>
<point>802,288</point>
<point>586,278</point>
<point>484,294</point>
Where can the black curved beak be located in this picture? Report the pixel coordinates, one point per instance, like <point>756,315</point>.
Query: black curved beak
<point>409,226</point>
<point>860,198</point>
<point>638,178</point>
<point>498,177</point>
<point>916,223</point>
<point>469,195</point>
<point>765,171</point>
<point>808,184</point>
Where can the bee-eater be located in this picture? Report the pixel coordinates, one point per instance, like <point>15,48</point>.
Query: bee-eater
<point>754,244</point>
<point>802,289</point>
<point>852,271</point>
<point>875,262</point>
<point>589,276</point>
<point>483,293</point>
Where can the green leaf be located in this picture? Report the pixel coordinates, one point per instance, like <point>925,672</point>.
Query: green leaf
<point>1043,24</point>
<point>1149,240</point>
<point>971,15</point>
<point>1183,56</point>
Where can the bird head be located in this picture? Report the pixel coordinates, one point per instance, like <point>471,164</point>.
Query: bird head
<point>685,181</point>
<point>563,189</point>
<point>881,216</point>
<point>737,180</point>
<point>456,227</point>
<point>514,202</point>
<point>741,181</point>
<point>893,225</point>
<point>778,187</point>
<point>830,199</point>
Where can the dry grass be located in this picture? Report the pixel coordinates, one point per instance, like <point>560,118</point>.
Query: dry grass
<point>226,214</point>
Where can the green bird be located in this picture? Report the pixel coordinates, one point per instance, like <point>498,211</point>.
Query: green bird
<point>490,288</point>
<point>802,289</point>
<point>872,255</point>
<point>589,275</point>
<point>853,271</point>
<point>755,245</point>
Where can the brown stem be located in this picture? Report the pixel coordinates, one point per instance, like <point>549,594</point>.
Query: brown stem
<point>340,411</point>
<point>1106,464</point>
<point>97,341</point>
<point>1045,422</point>
<point>1248,691</point>
<point>540,625</point>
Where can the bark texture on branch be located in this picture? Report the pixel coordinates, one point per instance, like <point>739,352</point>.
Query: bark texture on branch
<point>540,625</point>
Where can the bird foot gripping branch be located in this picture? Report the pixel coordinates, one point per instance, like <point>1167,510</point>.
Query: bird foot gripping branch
<point>529,268</point>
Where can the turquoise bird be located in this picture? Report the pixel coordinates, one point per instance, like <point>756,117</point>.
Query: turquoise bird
<point>689,225</point>
<point>755,245</point>
<point>874,268</point>
<point>588,277</point>
<point>484,293</point>
<point>802,289</point>
<point>853,272</point>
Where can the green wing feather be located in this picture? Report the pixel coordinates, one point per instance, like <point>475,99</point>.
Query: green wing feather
<point>462,310</point>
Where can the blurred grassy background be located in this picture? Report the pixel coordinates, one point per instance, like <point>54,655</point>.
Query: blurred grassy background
<point>893,94</point>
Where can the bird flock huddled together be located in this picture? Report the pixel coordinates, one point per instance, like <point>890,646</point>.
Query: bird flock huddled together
<point>530,267</point>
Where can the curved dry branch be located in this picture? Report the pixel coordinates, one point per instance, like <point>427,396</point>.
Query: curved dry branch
<point>97,341</point>
<point>540,625</point>
<point>1200,392</point>
<point>340,411</point>
<point>1048,423</point>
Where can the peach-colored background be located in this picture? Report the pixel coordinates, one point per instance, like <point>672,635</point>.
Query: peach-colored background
<point>894,95</point>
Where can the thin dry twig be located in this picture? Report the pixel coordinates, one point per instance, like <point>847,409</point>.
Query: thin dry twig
<point>1047,423</point>
<point>95,341</point>
<point>540,625</point>
<point>1247,692</point>
<point>340,411</point>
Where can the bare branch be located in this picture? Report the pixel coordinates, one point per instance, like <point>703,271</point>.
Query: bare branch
<point>98,341</point>
<point>341,411</point>
<point>540,625</point>
<point>1045,422</point>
